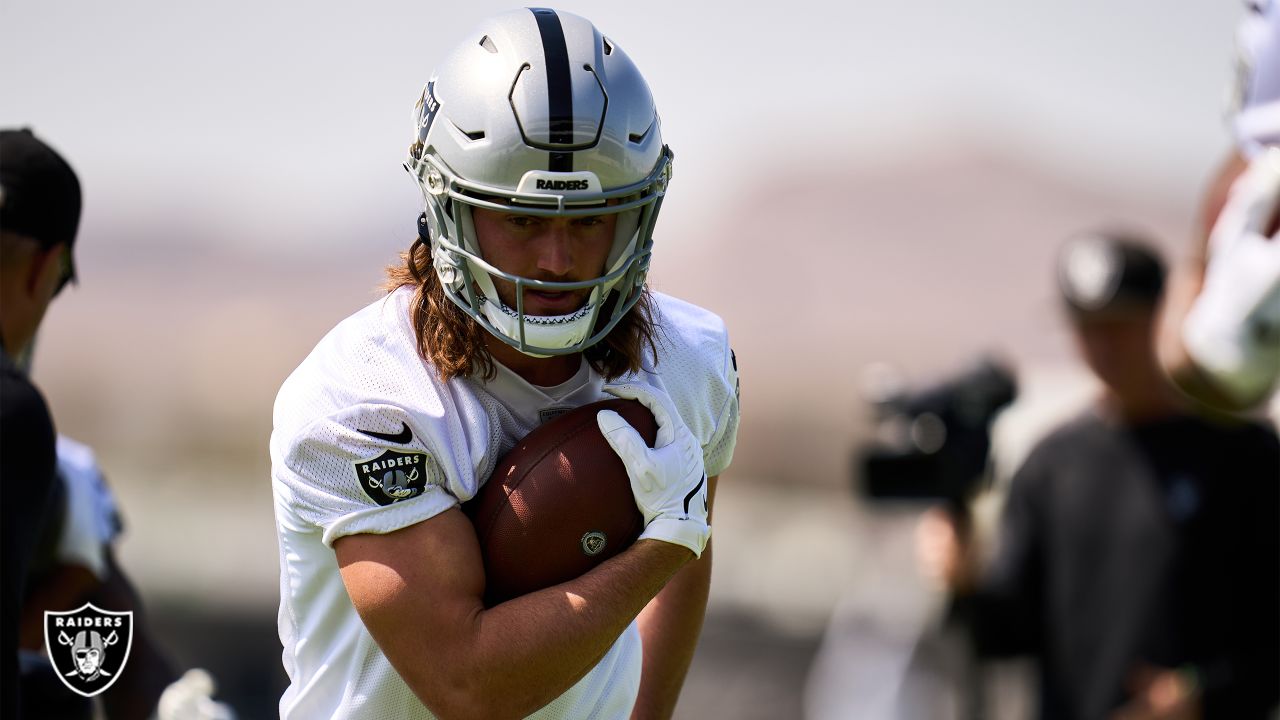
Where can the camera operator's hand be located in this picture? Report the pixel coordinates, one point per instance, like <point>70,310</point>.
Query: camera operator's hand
<point>1161,694</point>
<point>943,553</point>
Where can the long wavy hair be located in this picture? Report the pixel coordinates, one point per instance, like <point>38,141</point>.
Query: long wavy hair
<point>454,342</point>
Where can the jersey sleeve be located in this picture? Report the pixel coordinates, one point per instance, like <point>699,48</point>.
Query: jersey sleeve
<point>718,453</point>
<point>366,469</point>
<point>698,369</point>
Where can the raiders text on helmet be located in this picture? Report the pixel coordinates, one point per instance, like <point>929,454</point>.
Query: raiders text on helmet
<point>538,113</point>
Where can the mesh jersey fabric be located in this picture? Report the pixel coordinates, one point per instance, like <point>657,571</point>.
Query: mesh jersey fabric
<point>367,376</point>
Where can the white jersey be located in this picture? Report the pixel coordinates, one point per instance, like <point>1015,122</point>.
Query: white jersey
<point>368,439</point>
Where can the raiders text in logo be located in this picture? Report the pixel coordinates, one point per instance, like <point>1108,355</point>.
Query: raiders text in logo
<point>88,646</point>
<point>394,476</point>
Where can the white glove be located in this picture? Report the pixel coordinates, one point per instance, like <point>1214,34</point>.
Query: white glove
<point>190,698</point>
<point>1233,330</point>
<point>669,481</point>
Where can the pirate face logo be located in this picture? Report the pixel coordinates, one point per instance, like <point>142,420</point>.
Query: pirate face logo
<point>88,649</point>
<point>397,484</point>
<point>593,543</point>
<point>88,646</point>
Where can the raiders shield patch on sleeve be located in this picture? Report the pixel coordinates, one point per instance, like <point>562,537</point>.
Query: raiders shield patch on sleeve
<point>394,475</point>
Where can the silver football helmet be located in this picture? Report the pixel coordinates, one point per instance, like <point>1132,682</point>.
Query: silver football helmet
<point>537,112</point>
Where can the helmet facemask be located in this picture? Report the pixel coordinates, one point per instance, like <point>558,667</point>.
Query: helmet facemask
<point>468,280</point>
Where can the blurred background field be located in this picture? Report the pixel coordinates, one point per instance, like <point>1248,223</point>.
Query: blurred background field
<point>855,183</point>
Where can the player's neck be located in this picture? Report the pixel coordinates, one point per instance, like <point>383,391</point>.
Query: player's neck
<point>543,372</point>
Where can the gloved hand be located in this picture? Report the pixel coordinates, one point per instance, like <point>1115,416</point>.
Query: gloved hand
<point>669,481</point>
<point>1233,329</point>
<point>190,698</point>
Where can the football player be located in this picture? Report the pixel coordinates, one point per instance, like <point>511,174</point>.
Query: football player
<point>540,156</point>
<point>1221,338</point>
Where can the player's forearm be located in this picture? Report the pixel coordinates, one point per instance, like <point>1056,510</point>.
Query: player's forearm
<point>670,626</point>
<point>520,655</point>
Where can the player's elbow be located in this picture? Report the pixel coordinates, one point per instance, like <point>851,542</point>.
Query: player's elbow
<point>465,686</point>
<point>471,698</point>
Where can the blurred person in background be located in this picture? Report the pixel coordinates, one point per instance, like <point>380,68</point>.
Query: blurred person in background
<point>59,525</point>
<point>39,214</point>
<point>542,165</point>
<point>1136,555</point>
<point>1220,340</point>
<point>75,563</point>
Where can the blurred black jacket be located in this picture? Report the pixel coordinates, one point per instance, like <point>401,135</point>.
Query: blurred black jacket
<point>1123,546</point>
<point>27,466</point>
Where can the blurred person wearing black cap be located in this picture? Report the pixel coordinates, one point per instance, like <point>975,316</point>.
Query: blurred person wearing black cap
<point>1220,340</point>
<point>59,517</point>
<point>1136,553</point>
<point>39,213</point>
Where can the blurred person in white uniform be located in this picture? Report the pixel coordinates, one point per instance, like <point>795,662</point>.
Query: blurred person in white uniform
<point>1220,340</point>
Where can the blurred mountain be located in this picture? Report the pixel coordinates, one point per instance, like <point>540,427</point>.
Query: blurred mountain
<point>924,262</point>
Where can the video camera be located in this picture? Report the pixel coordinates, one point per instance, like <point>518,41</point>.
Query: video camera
<point>932,444</point>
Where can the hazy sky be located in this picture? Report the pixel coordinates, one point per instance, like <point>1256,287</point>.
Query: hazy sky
<point>276,125</point>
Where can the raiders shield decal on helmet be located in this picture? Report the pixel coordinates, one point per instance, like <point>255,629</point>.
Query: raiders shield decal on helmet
<point>394,476</point>
<point>88,647</point>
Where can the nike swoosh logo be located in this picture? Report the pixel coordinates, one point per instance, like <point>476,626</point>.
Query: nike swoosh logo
<point>693,492</point>
<point>400,438</point>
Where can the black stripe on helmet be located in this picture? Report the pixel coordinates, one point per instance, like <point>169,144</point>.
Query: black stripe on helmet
<point>559,87</point>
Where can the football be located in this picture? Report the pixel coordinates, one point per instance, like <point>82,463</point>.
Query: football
<point>558,504</point>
